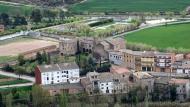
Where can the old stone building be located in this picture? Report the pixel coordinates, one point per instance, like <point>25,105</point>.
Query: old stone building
<point>68,46</point>
<point>102,49</point>
<point>105,83</point>
<point>86,44</point>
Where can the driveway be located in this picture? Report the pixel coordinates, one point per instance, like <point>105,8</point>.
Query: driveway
<point>29,78</point>
<point>16,85</point>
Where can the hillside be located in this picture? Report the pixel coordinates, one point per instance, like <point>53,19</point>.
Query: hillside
<point>130,5</point>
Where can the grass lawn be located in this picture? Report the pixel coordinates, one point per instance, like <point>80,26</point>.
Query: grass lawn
<point>24,88</point>
<point>130,5</point>
<point>4,59</point>
<point>15,9</point>
<point>177,36</point>
<point>3,77</point>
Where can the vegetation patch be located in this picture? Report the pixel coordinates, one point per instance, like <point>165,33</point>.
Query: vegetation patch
<point>162,37</point>
<point>15,9</point>
<point>4,59</point>
<point>130,5</point>
<point>14,81</point>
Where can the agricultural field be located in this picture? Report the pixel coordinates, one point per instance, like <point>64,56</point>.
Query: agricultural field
<point>175,36</point>
<point>21,46</point>
<point>15,9</point>
<point>130,5</point>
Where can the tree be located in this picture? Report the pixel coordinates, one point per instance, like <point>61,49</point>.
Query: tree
<point>8,100</point>
<point>63,100</point>
<point>36,16</point>
<point>40,97</point>
<point>5,19</point>
<point>44,57</point>
<point>173,93</point>
<point>39,58</point>
<point>21,60</point>
<point>19,20</point>
<point>48,58</point>
<point>62,15</point>
<point>7,68</point>
<point>49,14</point>
<point>19,71</point>
<point>1,100</point>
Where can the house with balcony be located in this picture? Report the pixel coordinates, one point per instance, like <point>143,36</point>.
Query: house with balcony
<point>164,61</point>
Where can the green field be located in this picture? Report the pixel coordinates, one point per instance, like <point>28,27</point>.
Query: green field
<point>15,9</point>
<point>130,5</point>
<point>176,36</point>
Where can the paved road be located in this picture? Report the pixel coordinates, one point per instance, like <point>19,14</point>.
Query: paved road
<point>17,85</point>
<point>29,78</point>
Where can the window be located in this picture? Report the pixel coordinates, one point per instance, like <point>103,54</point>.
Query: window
<point>57,76</point>
<point>47,78</point>
<point>66,72</point>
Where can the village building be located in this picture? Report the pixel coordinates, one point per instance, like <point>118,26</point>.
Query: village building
<point>182,67</point>
<point>86,44</point>
<point>116,57</point>
<point>2,28</point>
<point>164,61</point>
<point>179,57</point>
<point>57,73</point>
<point>161,87</point>
<point>102,49</point>
<point>68,46</point>
<point>147,61</point>
<point>144,80</point>
<point>119,70</point>
<point>182,88</point>
<point>57,78</point>
<point>56,89</point>
<point>138,60</point>
<point>105,83</point>
<point>129,58</point>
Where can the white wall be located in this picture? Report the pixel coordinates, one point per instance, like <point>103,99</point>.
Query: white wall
<point>104,85</point>
<point>60,77</point>
<point>116,59</point>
